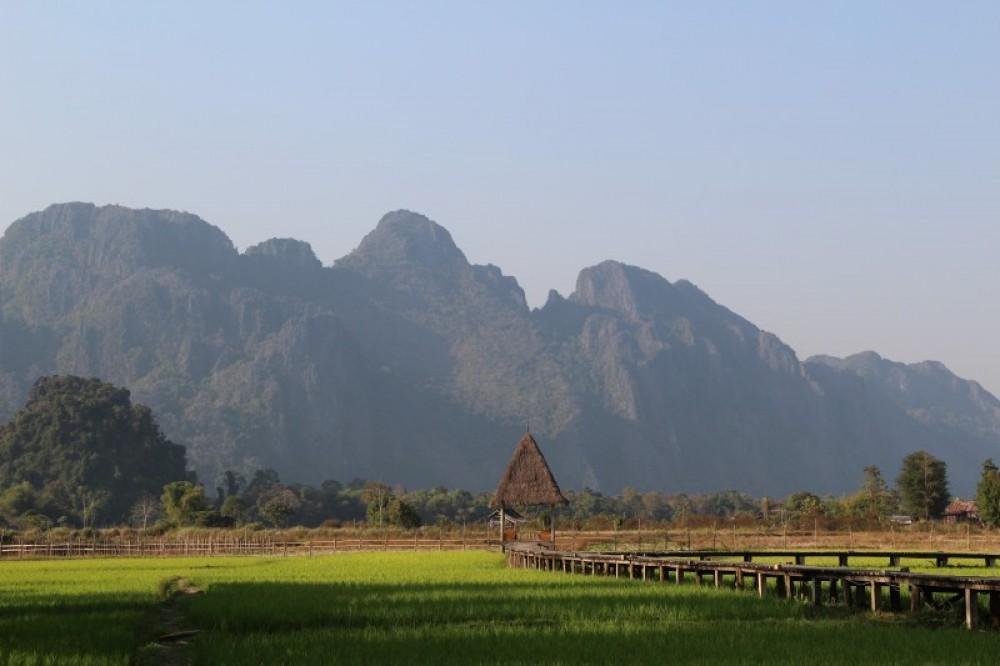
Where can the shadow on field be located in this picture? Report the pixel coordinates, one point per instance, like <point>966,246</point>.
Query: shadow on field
<point>58,629</point>
<point>274,606</point>
<point>601,622</point>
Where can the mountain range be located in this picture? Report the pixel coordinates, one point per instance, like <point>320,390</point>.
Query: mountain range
<point>404,362</point>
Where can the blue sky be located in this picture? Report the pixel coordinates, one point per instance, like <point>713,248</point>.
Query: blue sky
<point>829,170</point>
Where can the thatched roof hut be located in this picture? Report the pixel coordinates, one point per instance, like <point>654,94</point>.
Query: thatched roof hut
<point>528,479</point>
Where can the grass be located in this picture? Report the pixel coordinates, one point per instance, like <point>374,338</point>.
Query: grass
<point>464,607</point>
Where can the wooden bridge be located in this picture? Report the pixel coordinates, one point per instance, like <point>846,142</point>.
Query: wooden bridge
<point>893,557</point>
<point>879,590</point>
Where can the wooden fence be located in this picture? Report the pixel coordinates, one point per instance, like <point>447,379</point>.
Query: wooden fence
<point>217,546</point>
<point>660,539</point>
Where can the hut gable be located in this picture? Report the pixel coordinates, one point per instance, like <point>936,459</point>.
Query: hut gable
<point>528,479</point>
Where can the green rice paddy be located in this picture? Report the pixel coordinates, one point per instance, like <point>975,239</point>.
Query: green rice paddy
<point>464,607</point>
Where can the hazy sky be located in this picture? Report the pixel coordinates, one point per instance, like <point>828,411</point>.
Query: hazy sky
<point>828,170</point>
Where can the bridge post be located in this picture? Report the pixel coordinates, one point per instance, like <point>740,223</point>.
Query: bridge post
<point>971,609</point>
<point>817,591</point>
<point>894,597</point>
<point>876,593</point>
<point>761,584</point>
<point>916,598</point>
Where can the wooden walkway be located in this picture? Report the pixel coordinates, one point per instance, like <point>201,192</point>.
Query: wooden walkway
<point>893,557</point>
<point>878,590</point>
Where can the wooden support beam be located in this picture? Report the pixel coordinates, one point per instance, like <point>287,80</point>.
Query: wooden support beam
<point>789,587</point>
<point>916,598</point>
<point>717,578</point>
<point>848,593</point>
<point>817,591</point>
<point>995,609</point>
<point>941,560</point>
<point>876,594</point>
<point>859,590</point>
<point>971,609</point>
<point>842,560</point>
<point>761,584</point>
<point>894,560</point>
<point>800,559</point>
<point>779,586</point>
<point>833,590</point>
<point>894,598</point>
<point>678,574</point>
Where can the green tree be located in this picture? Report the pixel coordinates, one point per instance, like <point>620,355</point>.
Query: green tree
<point>804,503</point>
<point>87,448</point>
<point>184,503</point>
<point>233,509</point>
<point>923,485</point>
<point>874,499</point>
<point>401,514</point>
<point>278,505</point>
<point>377,496</point>
<point>988,494</point>
<point>17,500</point>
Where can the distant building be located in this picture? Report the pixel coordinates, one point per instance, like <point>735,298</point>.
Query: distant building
<point>510,517</point>
<point>961,511</point>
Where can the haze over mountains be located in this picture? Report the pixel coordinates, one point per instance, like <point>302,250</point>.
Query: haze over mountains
<point>405,363</point>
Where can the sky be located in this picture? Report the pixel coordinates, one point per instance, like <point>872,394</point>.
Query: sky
<point>828,170</point>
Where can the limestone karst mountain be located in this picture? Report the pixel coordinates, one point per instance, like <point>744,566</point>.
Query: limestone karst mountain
<point>405,362</point>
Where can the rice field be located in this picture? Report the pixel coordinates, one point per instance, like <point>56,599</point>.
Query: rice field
<point>461,607</point>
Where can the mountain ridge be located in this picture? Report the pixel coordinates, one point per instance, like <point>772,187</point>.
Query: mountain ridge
<point>404,361</point>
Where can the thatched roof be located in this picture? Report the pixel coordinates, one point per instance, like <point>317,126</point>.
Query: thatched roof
<point>528,479</point>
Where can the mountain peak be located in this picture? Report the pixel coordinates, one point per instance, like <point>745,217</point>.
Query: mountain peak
<point>626,289</point>
<point>403,236</point>
<point>285,251</point>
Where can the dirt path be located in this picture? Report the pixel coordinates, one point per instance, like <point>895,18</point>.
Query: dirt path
<point>172,637</point>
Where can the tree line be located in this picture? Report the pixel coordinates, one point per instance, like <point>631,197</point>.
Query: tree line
<point>80,454</point>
